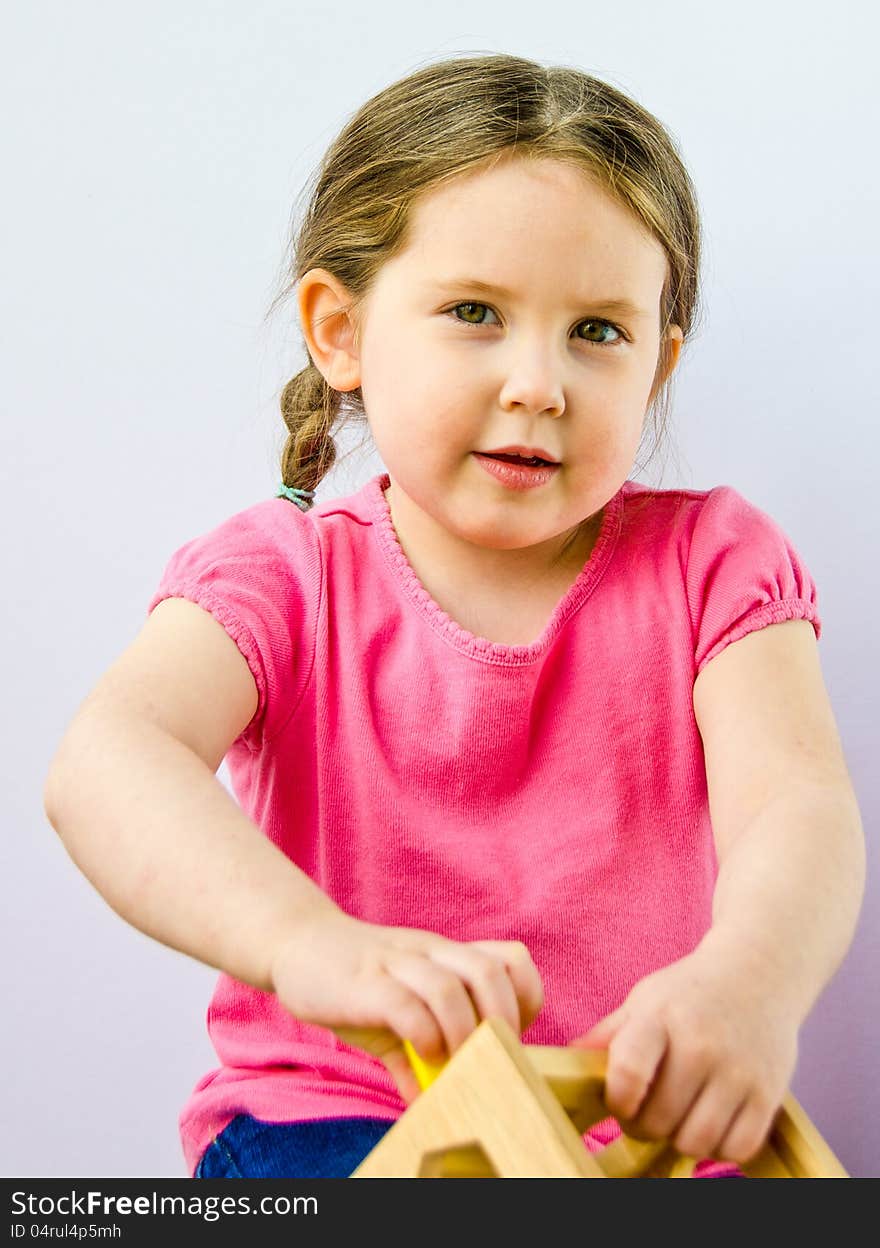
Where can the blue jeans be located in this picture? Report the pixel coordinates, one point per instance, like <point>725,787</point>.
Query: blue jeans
<point>331,1148</point>
<point>248,1148</point>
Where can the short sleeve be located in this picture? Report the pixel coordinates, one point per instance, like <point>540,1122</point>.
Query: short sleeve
<point>259,574</point>
<point>742,574</point>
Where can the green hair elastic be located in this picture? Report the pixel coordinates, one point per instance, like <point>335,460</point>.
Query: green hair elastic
<point>302,498</point>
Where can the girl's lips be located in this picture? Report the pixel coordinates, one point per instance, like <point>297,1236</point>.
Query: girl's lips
<point>516,476</point>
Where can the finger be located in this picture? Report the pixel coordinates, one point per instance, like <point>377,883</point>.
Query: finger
<point>634,1054</point>
<point>524,975</point>
<point>402,1073</point>
<point>677,1084</point>
<point>488,981</point>
<point>747,1131</point>
<point>444,995</point>
<point>601,1034</point>
<point>396,1012</point>
<point>709,1119</point>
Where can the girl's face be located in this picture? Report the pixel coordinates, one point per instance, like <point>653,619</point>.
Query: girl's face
<point>497,326</point>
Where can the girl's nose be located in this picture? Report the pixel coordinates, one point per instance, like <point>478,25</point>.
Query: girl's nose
<point>534,382</point>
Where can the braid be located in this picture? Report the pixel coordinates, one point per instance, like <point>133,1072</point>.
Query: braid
<point>309,407</point>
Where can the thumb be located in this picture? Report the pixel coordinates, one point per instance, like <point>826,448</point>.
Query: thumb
<point>602,1033</point>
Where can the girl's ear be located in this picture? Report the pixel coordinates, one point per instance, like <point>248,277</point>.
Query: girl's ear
<point>670,350</point>
<point>329,328</point>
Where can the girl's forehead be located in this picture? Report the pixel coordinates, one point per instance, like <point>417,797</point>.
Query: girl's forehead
<point>520,218</point>
<point>525,183</point>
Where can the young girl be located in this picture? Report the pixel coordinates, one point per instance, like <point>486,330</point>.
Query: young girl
<point>510,735</point>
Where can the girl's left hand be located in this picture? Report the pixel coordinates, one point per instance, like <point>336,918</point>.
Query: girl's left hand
<point>699,1053</point>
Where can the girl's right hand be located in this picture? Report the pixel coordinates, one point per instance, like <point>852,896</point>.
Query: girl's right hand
<point>377,986</point>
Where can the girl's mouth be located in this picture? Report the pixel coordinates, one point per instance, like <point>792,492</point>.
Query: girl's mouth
<point>516,473</point>
<point>534,462</point>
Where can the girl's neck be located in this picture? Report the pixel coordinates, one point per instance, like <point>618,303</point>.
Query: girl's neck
<point>446,563</point>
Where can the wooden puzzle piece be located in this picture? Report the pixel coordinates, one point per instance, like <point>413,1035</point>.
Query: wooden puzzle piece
<point>498,1108</point>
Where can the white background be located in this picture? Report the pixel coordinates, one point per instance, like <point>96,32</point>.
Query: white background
<point>151,155</point>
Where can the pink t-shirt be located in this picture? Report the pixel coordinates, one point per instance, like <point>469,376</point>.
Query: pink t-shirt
<point>553,793</point>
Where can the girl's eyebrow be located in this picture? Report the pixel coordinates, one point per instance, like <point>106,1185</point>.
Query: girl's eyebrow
<point>621,307</point>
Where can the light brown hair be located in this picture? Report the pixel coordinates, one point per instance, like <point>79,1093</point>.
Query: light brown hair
<point>438,122</point>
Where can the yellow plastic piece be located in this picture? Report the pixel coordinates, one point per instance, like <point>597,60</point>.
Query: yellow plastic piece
<point>425,1072</point>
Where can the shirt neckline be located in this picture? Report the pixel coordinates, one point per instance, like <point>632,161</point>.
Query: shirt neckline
<point>449,629</point>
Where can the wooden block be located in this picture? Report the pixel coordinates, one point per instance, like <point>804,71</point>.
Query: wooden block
<point>799,1146</point>
<point>501,1109</point>
<point>488,1096</point>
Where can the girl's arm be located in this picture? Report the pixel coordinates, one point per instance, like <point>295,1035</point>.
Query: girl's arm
<point>788,893</point>
<point>786,822</point>
<point>133,795</point>
<point>703,1051</point>
<point>150,825</point>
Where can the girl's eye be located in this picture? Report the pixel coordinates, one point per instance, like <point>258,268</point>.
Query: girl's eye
<point>593,322</point>
<point>602,325</point>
